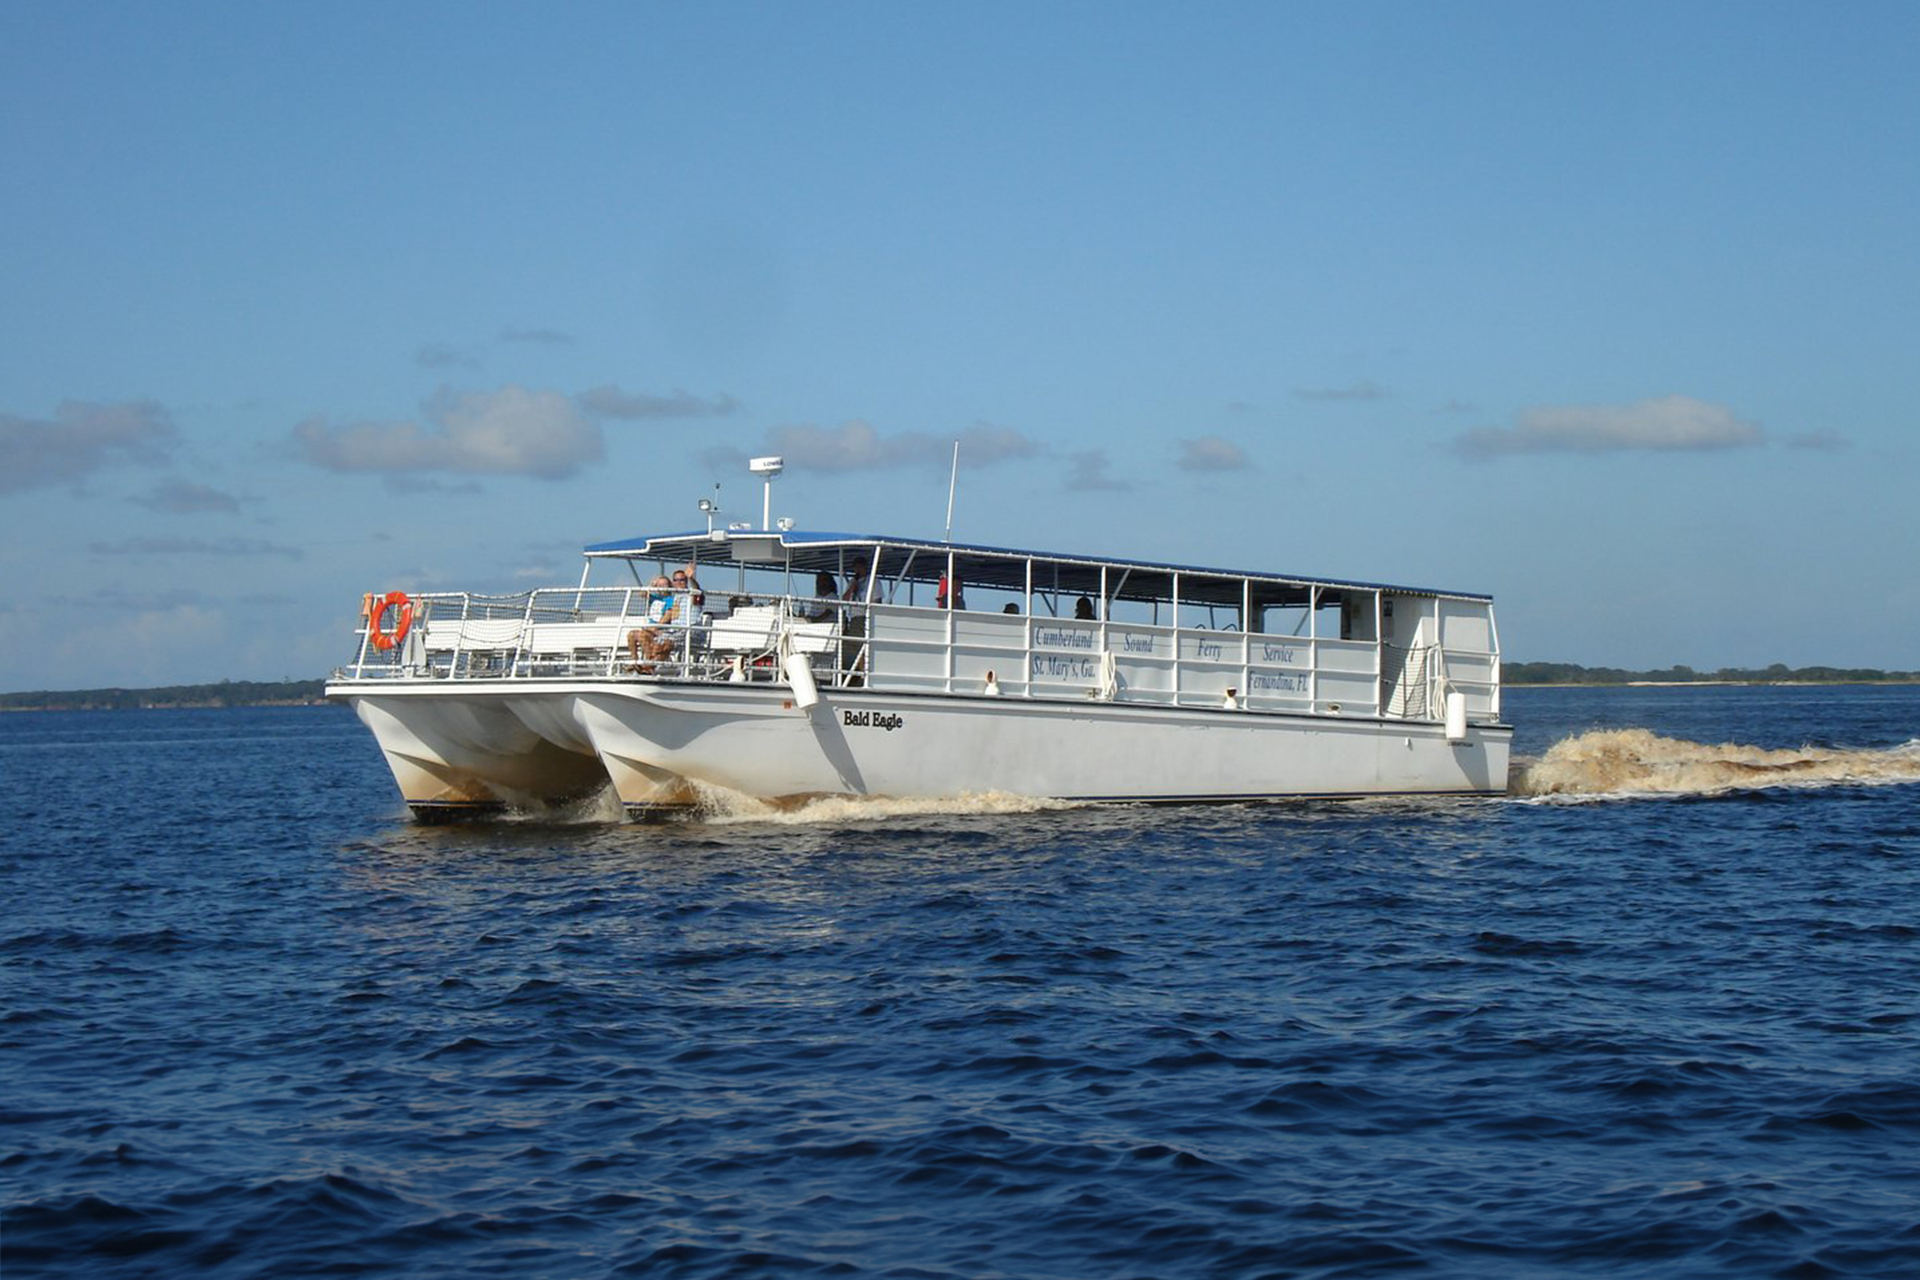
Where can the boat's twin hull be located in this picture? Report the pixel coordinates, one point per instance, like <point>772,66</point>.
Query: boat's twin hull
<point>487,745</point>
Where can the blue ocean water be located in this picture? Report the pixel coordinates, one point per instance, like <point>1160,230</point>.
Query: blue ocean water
<point>1658,1021</point>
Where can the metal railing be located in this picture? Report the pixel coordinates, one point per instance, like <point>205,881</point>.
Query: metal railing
<point>607,634</point>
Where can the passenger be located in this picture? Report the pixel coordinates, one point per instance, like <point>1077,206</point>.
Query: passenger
<point>688,609</point>
<point>959,594</point>
<point>825,591</point>
<point>1083,610</point>
<point>656,638</point>
<point>856,582</point>
<point>992,688</point>
<point>687,584</point>
<point>1232,701</point>
<point>1011,608</point>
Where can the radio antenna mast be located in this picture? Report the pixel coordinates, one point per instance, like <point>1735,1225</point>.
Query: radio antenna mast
<point>953,479</point>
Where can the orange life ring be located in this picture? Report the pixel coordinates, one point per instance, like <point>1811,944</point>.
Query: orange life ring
<point>392,600</point>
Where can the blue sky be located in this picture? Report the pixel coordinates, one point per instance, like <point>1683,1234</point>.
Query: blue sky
<point>1606,309</point>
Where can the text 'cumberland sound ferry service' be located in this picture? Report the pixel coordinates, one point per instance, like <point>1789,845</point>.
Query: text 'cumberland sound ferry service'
<point>789,665</point>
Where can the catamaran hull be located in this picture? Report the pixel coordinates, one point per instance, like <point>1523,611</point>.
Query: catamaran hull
<point>467,755</point>
<point>459,751</point>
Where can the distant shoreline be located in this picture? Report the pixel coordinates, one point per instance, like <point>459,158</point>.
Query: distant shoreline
<point>225,693</point>
<point>1699,684</point>
<point>1571,675</point>
<point>163,706</point>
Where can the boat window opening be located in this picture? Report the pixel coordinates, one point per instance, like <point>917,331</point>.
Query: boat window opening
<point>1111,591</point>
<point>1328,615</point>
<point>893,585</point>
<point>1133,612</point>
<point>993,600</point>
<point>1211,602</point>
<point>842,570</point>
<point>1347,614</point>
<point>1280,609</point>
<point>1286,620</point>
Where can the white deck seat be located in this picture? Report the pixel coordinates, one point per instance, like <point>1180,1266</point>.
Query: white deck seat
<point>473,633</point>
<point>565,637</point>
<point>748,630</point>
<point>814,637</point>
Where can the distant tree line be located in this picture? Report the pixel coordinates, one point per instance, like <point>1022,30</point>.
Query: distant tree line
<point>228,693</point>
<point>1778,673</point>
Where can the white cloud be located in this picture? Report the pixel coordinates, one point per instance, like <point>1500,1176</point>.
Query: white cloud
<point>611,402</point>
<point>148,546</point>
<point>512,431</point>
<point>984,445</point>
<point>415,483</point>
<point>1087,472</point>
<point>1666,424</point>
<point>81,438</point>
<point>1211,453</point>
<point>187,497</point>
<point>857,446</point>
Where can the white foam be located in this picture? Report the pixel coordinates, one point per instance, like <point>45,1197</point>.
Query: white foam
<point>721,806</point>
<point>601,806</point>
<point>1626,762</point>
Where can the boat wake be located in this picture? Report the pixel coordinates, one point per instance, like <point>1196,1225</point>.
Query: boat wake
<point>1630,762</point>
<point>720,805</point>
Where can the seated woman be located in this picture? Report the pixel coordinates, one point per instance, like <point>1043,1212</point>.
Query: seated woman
<point>656,638</point>
<point>826,592</point>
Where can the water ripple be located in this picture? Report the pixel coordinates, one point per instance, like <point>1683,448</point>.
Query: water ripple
<point>1657,1036</point>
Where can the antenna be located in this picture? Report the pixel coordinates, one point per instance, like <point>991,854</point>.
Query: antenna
<point>953,480</point>
<point>766,469</point>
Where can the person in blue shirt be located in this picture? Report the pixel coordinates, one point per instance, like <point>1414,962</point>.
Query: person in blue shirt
<point>656,638</point>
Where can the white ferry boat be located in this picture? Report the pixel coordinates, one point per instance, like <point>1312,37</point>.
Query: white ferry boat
<point>792,665</point>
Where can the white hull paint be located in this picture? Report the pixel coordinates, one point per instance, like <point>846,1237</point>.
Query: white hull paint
<point>490,744</point>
